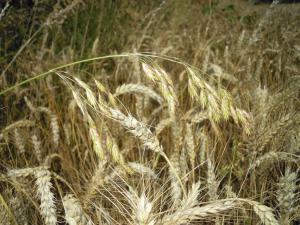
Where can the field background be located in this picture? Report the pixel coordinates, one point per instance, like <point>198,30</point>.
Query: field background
<point>149,112</point>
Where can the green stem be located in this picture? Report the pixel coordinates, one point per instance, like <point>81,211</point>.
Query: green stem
<point>171,59</point>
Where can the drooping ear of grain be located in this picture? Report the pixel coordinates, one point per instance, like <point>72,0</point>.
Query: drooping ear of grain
<point>197,213</point>
<point>140,89</point>
<point>142,169</point>
<point>47,205</point>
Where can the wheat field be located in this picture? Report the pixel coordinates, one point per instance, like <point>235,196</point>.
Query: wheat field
<point>149,113</point>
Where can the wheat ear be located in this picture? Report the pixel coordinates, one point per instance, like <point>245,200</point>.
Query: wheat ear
<point>53,123</point>
<point>142,169</point>
<point>97,180</point>
<point>138,88</point>
<point>47,206</point>
<point>212,181</point>
<point>141,208</point>
<point>19,141</point>
<point>37,147</point>
<point>190,145</point>
<point>162,125</point>
<point>113,149</point>
<point>191,200</point>
<point>19,210</point>
<point>17,173</point>
<point>265,213</point>
<point>43,183</point>
<point>272,157</point>
<point>74,212</point>
<point>17,124</point>
<point>286,195</point>
<point>197,213</point>
<point>176,190</point>
<point>5,215</point>
<point>138,129</point>
<point>135,127</point>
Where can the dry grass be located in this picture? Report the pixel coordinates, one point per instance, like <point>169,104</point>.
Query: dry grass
<point>205,129</point>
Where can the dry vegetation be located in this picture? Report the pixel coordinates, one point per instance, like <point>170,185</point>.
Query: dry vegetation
<point>203,127</point>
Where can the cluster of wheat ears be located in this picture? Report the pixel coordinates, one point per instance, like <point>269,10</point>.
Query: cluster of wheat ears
<point>156,141</point>
<point>150,150</point>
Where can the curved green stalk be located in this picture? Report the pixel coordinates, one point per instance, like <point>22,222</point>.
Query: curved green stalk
<point>152,55</point>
